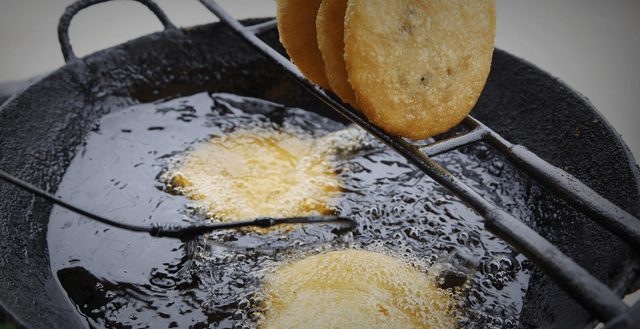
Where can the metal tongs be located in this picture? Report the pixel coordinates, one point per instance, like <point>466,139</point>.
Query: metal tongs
<point>593,295</point>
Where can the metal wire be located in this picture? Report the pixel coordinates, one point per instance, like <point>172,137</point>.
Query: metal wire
<point>592,294</point>
<point>180,231</point>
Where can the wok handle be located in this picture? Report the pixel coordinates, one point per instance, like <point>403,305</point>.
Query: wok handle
<point>72,10</point>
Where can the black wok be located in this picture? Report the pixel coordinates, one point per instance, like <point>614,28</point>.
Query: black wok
<point>42,126</point>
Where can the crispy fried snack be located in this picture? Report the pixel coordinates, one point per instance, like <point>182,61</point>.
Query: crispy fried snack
<point>418,66</point>
<point>330,29</point>
<point>297,28</point>
<point>354,289</point>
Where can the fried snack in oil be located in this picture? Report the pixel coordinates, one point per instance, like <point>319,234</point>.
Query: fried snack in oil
<point>354,289</point>
<point>297,28</point>
<point>418,66</point>
<point>330,29</point>
<point>258,172</point>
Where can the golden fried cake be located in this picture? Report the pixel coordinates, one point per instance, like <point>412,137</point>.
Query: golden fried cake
<point>354,289</point>
<point>258,172</point>
<point>297,28</point>
<point>330,29</point>
<point>418,66</point>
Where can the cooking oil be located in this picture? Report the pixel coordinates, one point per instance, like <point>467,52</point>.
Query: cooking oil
<point>147,163</point>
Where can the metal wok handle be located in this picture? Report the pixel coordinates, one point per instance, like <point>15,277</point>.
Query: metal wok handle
<point>72,10</point>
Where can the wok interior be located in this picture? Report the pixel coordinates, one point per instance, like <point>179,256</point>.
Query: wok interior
<point>43,126</point>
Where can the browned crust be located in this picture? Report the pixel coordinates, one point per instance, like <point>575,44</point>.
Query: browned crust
<point>297,28</point>
<point>330,29</point>
<point>418,66</point>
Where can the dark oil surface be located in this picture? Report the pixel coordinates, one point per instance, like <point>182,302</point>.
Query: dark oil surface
<point>122,279</point>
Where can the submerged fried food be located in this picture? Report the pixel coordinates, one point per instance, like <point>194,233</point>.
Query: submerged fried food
<point>330,29</point>
<point>354,289</point>
<point>297,28</point>
<point>258,172</point>
<point>418,66</point>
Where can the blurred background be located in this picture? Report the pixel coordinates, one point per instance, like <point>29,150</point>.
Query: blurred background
<point>592,45</point>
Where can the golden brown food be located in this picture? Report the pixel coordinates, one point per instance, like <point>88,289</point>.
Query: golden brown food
<point>354,289</point>
<point>418,66</point>
<point>330,29</point>
<point>258,172</point>
<point>297,28</point>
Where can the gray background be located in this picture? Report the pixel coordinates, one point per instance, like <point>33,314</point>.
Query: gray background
<point>592,45</point>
